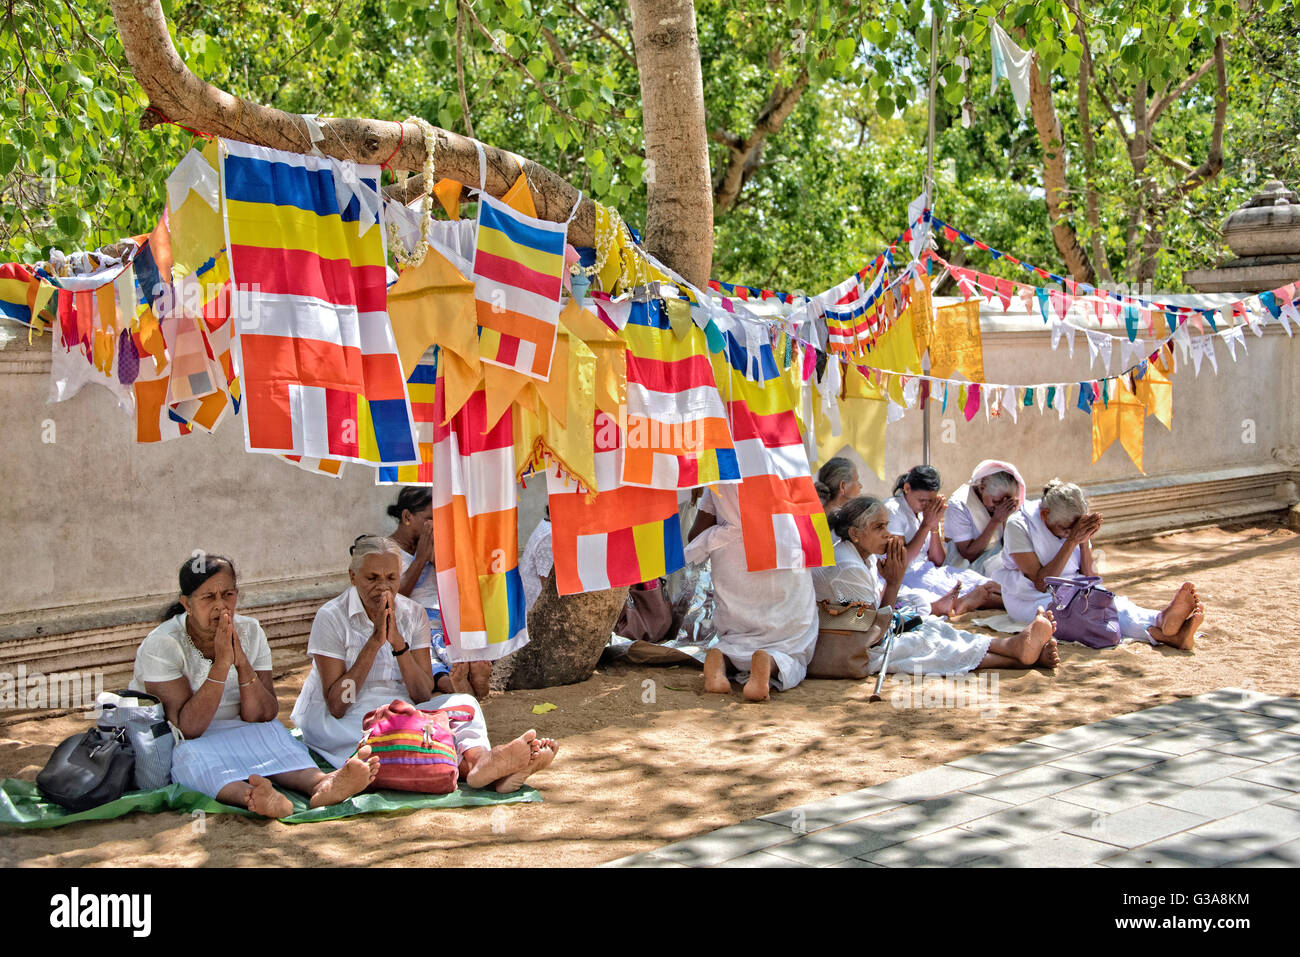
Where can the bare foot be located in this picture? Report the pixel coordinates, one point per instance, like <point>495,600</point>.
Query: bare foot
<point>1050,656</point>
<point>1185,639</point>
<point>544,752</point>
<point>945,604</point>
<point>480,675</point>
<point>354,777</point>
<point>265,800</point>
<point>1178,611</point>
<point>759,685</point>
<point>715,673</point>
<point>975,598</point>
<point>503,760</point>
<point>460,683</point>
<point>1029,644</point>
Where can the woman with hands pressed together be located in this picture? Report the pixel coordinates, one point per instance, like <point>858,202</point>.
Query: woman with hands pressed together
<point>977,513</point>
<point>1052,538</point>
<point>915,512</point>
<point>370,646</point>
<point>870,565</point>
<point>211,668</point>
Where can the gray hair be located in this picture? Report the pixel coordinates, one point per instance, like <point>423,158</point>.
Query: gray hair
<point>1000,483</point>
<point>367,545</point>
<point>1064,500</point>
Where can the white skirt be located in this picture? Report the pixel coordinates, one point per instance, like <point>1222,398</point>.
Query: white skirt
<point>936,581</point>
<point>934,647</point>
<point>231,750</point>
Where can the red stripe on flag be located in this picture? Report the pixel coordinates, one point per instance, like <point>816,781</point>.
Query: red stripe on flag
<point>310,362</point>
<point>620,555</point>
<point>507,349</point>
<point>470,425</point>
<point>341,419</point>
<point>507,272</point>
<point>688,472</point>
<point>775,429</point>
<point>670,375</point>
<point>383,376</point>
<point>297,272</point>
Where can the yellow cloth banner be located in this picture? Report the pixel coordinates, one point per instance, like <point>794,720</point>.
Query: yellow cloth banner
<point>863,412</point>
<point>1122,418</point>
<point>1156,391</point>
<point>955,345</point>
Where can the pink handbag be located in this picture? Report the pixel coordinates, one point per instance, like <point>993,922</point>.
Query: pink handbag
<point>416,749</point>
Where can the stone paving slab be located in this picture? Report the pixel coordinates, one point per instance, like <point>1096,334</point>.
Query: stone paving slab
<point>1206,781</point>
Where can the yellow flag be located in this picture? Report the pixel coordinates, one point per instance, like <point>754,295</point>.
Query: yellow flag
<point>1156,391</point>
<point>956,345</point>
<point>1122,418</point>
<point>862,423</point>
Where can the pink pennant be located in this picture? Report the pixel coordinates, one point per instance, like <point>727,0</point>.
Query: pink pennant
<point>1005,289</point>
<point>1059,303</point>
<point>972,401</point>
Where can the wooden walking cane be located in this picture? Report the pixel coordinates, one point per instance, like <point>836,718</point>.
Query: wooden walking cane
<point>895,623</point>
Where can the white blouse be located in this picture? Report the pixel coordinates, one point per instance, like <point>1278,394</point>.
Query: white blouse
<point>167,653</point>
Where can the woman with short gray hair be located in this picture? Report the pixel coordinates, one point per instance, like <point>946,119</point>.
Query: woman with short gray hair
<point>1052,538</point>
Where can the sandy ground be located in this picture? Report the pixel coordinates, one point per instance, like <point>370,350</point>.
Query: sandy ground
<point>647,758</point>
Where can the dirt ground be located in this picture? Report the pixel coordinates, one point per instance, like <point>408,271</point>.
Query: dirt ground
<point>647,758</point>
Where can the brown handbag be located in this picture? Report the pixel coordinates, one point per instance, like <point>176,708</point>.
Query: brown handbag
<point>845,635</point>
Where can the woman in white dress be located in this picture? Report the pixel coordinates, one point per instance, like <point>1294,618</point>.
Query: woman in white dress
<point>766,621</point>
<point>370,647</point>
<point>413,512</point>
<point>914,514</point>
<point>211,668</point>
<point>1052,537</point>
<point>537,560</point>
<point>870,565</point>
<point>837,483</point>
<point>977,512</point>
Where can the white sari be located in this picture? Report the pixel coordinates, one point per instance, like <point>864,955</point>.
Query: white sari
<point>1022,600</point>
<point>934,581</point>
<point>932,648</point>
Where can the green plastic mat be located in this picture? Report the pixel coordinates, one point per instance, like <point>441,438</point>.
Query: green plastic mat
<point>21,804</point>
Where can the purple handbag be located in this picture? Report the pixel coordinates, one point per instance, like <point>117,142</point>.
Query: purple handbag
<point>1084,611</point>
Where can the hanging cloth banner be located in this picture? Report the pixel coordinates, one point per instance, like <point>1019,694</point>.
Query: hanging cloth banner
<point>1011,62</point>
<point>476,531</point>
<point>1122,418</point>
<point>622,535</point>
<point>518,277</point>
<point>677,434</point>
<point>782,520</point>
<point>957,345</point>
<point>320,370</point>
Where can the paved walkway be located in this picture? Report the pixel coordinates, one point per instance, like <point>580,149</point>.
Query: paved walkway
<point>1209,781</point>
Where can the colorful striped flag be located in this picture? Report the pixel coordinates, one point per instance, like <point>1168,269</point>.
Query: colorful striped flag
<point>319,367</point>
<point>476,530</point>
<point>782,520</point>
<point>622,535</point>
<point>23,297</point>
<point>676,435</point>
<point>421,388</point>
<point>518,271</point>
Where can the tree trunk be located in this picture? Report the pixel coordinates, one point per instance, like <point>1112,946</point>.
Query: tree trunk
<point>679,191</point>
<point>1051,139</point>
<point>568,635</point>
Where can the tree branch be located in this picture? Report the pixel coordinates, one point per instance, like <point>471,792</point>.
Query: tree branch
<point>557,51</point>
<point>1163,102</point>
<point>1214,156</point>
<point>603,32</point>
<point>174,90</point>
<point>746,152</point>
<point>460,71</point>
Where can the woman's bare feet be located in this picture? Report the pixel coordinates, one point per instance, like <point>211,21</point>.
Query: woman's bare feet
<point>503,760</point>
<point>1050,656</point>
<point>544,751</point>
<point>943,607</point>
<point>357,774</point>
<point>973,599</point>
<point>1185,638</point>
<point>759,685</point>
<point>715,673</point>
<point>460,683</point>
<point>1028,646</point>
<point>480,677</point>
<point>1178,610</point>
<point>265,800</point>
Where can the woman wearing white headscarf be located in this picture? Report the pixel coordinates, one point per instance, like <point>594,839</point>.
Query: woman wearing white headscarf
<point>977,512</point>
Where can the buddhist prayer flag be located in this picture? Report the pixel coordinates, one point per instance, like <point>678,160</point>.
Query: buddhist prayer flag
<point>319,367</point>
<point>782,520</point>
<point>518,271</point>
<point>621,536</point>
<point>676,435</point>
<point>23,297</point>
<point>421,388</point>
<point>476,530</point>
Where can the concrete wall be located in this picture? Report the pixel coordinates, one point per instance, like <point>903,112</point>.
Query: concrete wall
<point>95,526</point>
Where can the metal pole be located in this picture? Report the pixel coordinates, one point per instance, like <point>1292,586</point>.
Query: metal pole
<point>929,192</point>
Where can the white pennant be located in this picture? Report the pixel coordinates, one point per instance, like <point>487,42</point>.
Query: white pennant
<point>911,391</point>
<point>1040,396</point>
<point>1289,315</point>
<point>1009,401</point>
<point>1059,328</point>
<point>193,173</point>
<point>1062,398</point>
<point>893,413</point>
<point>1183,339</point>
<point>1207,346</point>
<point>1234,337</point>
<point>348,184</point>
